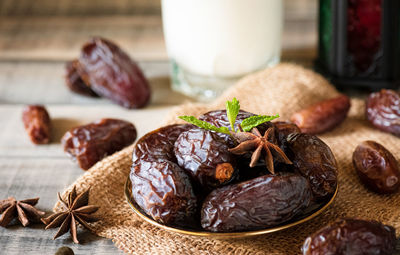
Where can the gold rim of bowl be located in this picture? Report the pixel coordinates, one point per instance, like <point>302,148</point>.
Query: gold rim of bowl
<point>135,208</point>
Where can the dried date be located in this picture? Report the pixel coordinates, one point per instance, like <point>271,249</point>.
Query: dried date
<point>159,186</point>
<point>258,203</point>
<point>322,116</point>
<point>283,130</point>
<point>74,81</point>
<point>37,124</point>
<point>219,119</point>
<point>205,156</point>
<point>376,167</point>
<point>158,144</point>
<point>164,191</point>
<point>352,236</point>
<point>313,159</point>
<point>383,111</point>
<point>90,143</point>
<point>112,74</point>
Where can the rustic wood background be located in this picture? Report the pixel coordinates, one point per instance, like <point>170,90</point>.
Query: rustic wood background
<point>36,38</point>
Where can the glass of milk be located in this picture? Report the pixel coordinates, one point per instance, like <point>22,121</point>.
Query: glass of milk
<point>213,43</point>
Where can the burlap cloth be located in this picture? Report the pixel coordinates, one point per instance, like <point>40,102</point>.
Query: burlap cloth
<point>283,89</point>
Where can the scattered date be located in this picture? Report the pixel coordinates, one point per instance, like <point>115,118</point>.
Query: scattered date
<point>376,167</point>
<point>352,236</point>
<point>37,124</point>
<point>111,73</point>
<point>322,116</point>
<point>90,143</point>
<point>383,111</point>
<point>75,82</point>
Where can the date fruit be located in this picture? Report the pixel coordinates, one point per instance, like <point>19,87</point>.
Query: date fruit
<point>111,73</point>
<point>158,144</point>
<point>283,130</point>
<point>258,203</point>
<point>36,120</point>
<point>352,236</point>
<point>322,116</point>
<point>205,156</point>
<point>90,143</point>
<point>219,119</point>
<point>74,81</point>
<point>164,191</point>
<point>159,186</point>
<point>383,111</point>
<point>376,167</point>
<point>314,160</point>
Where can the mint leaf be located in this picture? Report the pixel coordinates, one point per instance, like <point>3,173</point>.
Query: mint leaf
<point>232,110</point>
<point>205,125</point>
<point>253,121</point>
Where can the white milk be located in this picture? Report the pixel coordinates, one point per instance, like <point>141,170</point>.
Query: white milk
<point>222,38</point>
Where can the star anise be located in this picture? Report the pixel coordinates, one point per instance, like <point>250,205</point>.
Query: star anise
<point>76,210</point>
<point>23,209</point>
<point>255,142</point>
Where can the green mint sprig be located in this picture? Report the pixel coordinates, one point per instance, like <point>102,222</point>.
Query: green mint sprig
<point>253,121</point>
<point>205,125</point>
<point>232,110</point>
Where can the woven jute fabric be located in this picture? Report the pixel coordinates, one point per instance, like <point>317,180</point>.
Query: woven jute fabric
<point>283,89</point>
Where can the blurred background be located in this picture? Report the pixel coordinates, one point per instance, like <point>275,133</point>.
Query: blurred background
<point>37,37</point>
<point>55,30</point>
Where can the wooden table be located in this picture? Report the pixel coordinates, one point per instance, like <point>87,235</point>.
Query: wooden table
<point>34,45</point>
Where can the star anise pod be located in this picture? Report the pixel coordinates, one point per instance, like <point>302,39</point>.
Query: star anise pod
<point>23,209</point>
<point>76,210</point>
<point>256,143</point>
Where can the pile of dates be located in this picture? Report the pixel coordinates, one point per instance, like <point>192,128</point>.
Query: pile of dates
<point>189,177</point>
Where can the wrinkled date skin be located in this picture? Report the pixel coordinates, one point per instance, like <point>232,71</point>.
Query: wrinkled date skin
<point>205,156</point>
<point>258,203</point>
<point>322,116</point>
<point>383,111</point>
<point>164,191</point>
<point>158,144</point>
<point>283,130</point>
<point>36,120</point>
<point>313,159</point>
<point>159,186</point>
<point>74,81</point>
<point>111,73</point>
<point>90,143</point>
<point>219,119</point>
<point>352,236</point>
<point>376,167</point>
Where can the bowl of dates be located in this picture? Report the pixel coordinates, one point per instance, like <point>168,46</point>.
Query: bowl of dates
<point>230,173</point>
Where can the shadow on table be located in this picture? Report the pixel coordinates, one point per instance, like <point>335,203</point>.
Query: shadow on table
<point>60,126</point>
<point>162,94</point>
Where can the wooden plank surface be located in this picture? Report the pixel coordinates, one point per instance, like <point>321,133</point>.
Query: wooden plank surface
<point>140,36</point>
